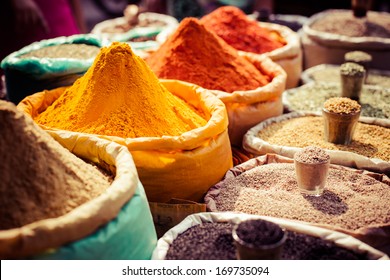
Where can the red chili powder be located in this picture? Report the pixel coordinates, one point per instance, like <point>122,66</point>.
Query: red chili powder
<point>242,33</point>
<point>198,56</point>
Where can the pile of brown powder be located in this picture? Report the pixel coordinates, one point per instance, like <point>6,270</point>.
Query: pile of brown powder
<point>350,200</point>
<point>369,140</point>
<point>39,178</point>
<point>344,23</point>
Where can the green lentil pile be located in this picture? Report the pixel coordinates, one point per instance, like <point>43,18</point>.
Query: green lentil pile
<point>375,102</point>
<point>369,140</point>
<point>76,51</point>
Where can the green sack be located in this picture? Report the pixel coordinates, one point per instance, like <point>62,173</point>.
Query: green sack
<point>130,236</point>
<point>25,76</point>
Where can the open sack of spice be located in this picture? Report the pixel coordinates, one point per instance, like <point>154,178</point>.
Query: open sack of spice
<point>80,198</point>
<point>49,64</point>
<point>176,132</point>
<point>250,88</point>
<point>208,236</point>
<point>289,133</point>
<point>374,100</point>
<point>353,201</point>
<point>328,35</point>
<point>136,27</point>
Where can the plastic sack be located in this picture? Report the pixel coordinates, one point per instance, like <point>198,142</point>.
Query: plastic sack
<point>183,166</point>
<point>25,76</point>
<point>329,48</point>
<point>340,239</point>
<point>99,29</point>
<point>255,145</point>
<point>377,236</point>
<point>115,225</point>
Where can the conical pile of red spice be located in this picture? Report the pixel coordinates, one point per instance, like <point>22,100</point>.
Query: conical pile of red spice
<point>198,56</point>
<point>242,33</point>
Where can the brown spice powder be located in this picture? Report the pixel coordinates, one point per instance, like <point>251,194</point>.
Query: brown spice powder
<point>39,178</point>
<point>350,200</point>
<point>369,140</point>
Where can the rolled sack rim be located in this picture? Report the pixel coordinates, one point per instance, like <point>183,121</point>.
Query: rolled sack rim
<point>269,91</point>
<point>190,140</point>
<point>85,219</point>
<point>339,238</point>
<point>42,68</point>
<point>342,41</point>
<point>254,144</point>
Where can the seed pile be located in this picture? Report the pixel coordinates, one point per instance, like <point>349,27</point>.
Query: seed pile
<point>358,57</point>
<point>344,23</point>
<point>76,51</point>
<point>312,155</point>
<point>331,75</point>
<point>207,241</point>
<point>352,70</point>
<point>259,232</point>
<point>200,243</point>
<point>350,200</point>
<point>375,102</point>
<point>144,22</point>
<point>39,178</point>
<point>369,140</point>
<point>342,106</point>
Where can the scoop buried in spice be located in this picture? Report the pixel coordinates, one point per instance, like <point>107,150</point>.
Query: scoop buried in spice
<point>341,115</point>
<point>258,240</point>
<point>311,168</point>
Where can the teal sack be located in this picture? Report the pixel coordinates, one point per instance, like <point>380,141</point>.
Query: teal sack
<point>25,76</point>
<point>130,236</point>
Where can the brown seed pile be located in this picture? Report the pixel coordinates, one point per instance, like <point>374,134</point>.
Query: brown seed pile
<point>39,178</point>
<point>350,200</point>
<point>357,56</point>
<point>312,154</point>
<point>213,241</point>
<point>342,106</point>
<point>76,51</point>
<point>351,69</point>
<point>344,23</point>
<point>375,102</point>
<point>369,140</point>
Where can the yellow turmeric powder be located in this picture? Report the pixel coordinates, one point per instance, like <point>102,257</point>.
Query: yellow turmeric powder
<point>120,96</point>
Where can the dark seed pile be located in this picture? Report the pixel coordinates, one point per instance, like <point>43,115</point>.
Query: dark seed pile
<point>259,232</point>
<point>213,241</point>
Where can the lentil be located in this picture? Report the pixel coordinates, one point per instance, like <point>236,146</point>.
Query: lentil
<point>312,155</point>
<point>375,102</point>
<point>350,200</point>
<point>39,178</point>
<point>213,241</point>
<point>344,23</point>
<point>76,51</point>
<point>369,140</point>
<point>342,105</point>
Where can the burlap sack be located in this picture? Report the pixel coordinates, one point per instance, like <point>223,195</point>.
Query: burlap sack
<point>289,57</point>
<point>341,239</point>
<point>255,145</point>
<point>109,226</point>
<point>183,166</point>
<point>377,236</point>
<point>329,48</point>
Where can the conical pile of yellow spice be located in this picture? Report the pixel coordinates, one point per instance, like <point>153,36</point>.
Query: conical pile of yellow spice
<point>120,96</point>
